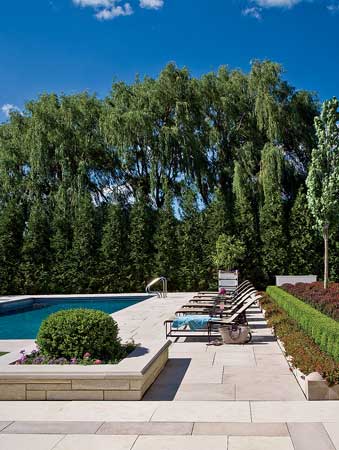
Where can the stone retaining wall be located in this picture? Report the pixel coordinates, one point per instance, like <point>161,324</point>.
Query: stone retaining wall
<point>128,380</point>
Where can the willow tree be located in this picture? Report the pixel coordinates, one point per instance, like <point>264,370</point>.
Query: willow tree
<point>154,129</point>
<point>323,177</point>
<point>274,241</point>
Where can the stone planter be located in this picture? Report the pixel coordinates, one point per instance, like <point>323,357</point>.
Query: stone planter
<point>128,380</point>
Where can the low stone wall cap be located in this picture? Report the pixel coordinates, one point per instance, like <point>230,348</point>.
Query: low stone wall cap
<point>314,376</point>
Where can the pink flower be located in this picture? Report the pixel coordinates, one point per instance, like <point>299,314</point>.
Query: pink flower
<point>222,291</point>
<point>87,355</point>
<point>98,361</point>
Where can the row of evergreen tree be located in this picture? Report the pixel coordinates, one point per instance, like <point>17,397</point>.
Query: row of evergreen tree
<point>102,195</point>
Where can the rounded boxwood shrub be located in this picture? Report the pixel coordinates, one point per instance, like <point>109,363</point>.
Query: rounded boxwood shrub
<point>72,333</point>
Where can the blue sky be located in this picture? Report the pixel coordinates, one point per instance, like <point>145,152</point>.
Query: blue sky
<point>73,45</point>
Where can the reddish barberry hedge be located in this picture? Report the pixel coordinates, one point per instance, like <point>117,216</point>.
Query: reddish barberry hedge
<point>325,300</point>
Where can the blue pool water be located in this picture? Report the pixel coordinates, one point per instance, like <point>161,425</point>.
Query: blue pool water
<point>24,321</point>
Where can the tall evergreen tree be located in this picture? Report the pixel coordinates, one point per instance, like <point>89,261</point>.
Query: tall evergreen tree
<point>273,236</point>
<point>333,255</point>
<point>166,243</point>
<point>141,242</point>
<point>191,244</point>
<point>11,232</point>
<point>83,253</point>
<point>114,251</point>
<point>61,240</point>
<point>36,255</point>
<point>246,222</point>
<point>216,221</point>
<point>304,245</point>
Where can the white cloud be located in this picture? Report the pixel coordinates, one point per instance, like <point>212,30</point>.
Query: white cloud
<point>106,9</point>
<point>333,8</point>
<point>8,108</point>
<point>252,12</point>
<point>109,9</point>
<point>151,4</point>
<point>114,11</point>
<point>277,3</point>
<point>93,3</point>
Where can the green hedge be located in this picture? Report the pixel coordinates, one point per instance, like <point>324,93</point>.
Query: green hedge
<point>321,328</point>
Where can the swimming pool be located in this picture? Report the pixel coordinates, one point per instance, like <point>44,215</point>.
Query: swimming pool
<point>22,319</point>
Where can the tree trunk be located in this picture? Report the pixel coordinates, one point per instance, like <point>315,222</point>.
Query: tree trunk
<point>325,256</point>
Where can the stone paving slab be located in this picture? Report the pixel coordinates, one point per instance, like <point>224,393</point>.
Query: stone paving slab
<point>39,427</point>
<point>235,359</point>
<point>13,410</point>
<point>161,392</point>
<point>316,411</point>
<point>278,389</point>
<point>271,348</point>
<point>206,391</point>
<point>241,429</point>
<point>310,436</point>
<point>259,443</point>
<point>178,371</point>
<point>29,441</point>
<point>203,375</point>
<point>255,375</point>
<point>180,443</point>
<point>227,349</point>
<point>95,442</point>
<point>108,411</point>
<point>191,411</point>
<point>272,359</point>
<point>333,432</point>
<point>146,428</point>
<point>199,411</point>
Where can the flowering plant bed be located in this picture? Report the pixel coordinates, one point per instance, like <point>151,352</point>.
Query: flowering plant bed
<point>325,300</point>
<point>36,357</point>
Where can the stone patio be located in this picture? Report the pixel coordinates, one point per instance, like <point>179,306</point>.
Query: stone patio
<point>257,371</point>
<point>220,397</point>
